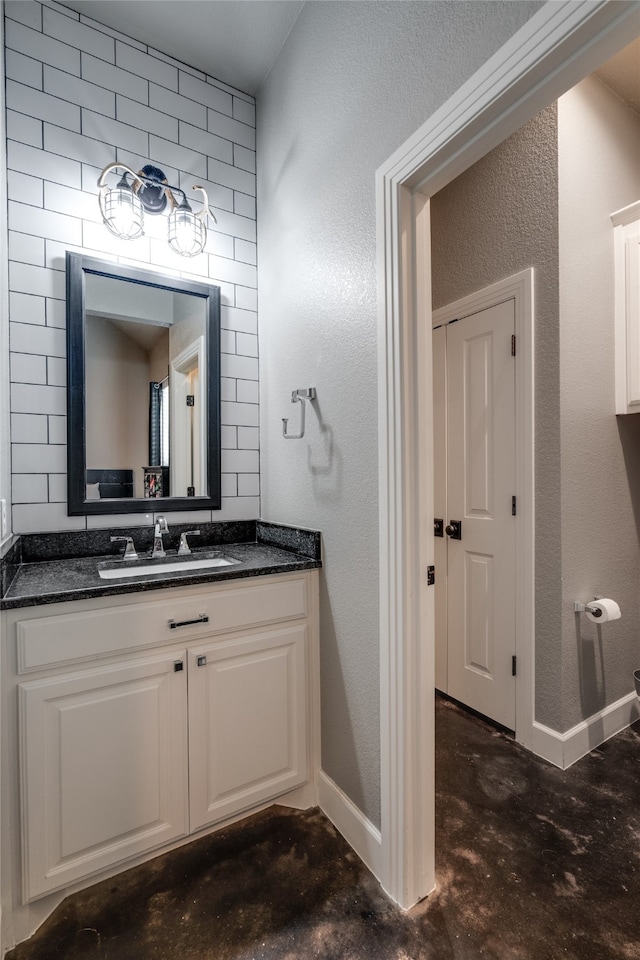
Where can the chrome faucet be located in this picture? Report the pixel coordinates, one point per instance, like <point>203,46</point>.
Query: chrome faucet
<point>184,547</point>
<point>161,527</point>
<point>129,550</point>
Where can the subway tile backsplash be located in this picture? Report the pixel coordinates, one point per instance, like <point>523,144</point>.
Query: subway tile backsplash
<point>80,96</point>
<point>147,66</point>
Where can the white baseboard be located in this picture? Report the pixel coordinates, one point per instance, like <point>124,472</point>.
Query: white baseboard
<point>563,749</point>
<point>357,830</point>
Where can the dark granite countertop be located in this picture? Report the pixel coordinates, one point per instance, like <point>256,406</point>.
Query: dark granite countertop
<point>41,569</point>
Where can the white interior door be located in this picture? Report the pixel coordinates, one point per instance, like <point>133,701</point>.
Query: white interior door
<point>475,462</point>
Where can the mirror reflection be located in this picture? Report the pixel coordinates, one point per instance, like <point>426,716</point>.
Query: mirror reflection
<point>143,392</point>
<point>145,356</point>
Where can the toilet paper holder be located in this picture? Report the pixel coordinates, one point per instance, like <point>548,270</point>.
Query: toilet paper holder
<point>599,609</point>
<point>587,608</point>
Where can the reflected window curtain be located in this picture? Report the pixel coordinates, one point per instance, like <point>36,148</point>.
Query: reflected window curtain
<point>164,421</point>
<point>155,422</point>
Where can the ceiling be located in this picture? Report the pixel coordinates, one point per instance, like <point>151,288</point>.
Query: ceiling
<point>622,74</point>
<point>146,335</point>
<point>236,41</point>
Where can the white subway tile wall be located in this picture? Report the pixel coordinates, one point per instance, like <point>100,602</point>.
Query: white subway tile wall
<point>80,96</point>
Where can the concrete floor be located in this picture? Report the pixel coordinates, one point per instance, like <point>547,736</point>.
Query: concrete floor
<point>533,863</point>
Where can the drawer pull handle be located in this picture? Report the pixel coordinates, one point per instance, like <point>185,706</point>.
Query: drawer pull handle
<point>174,624</point>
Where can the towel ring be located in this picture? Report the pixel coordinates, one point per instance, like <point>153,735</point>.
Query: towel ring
<point>298,396</point>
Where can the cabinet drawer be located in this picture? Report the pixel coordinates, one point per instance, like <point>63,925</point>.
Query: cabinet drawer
<point>74,637</point>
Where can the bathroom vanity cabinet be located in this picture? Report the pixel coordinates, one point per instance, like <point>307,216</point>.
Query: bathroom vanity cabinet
<point>139,720</point>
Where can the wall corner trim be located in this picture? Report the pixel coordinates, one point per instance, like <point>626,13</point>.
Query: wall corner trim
<point>564,749</point>
<point>349,820</point>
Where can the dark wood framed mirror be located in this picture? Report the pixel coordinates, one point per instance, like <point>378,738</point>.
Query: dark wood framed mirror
<point>143,390</point>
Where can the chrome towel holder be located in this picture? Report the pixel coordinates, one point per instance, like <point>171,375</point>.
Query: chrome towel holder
<point>298,396</point>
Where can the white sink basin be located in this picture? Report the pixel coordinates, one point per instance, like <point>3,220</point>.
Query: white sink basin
<point>175,566</point>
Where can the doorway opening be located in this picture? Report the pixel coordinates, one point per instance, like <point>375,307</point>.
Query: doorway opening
<point>543,196</point>
<point>558,47</point>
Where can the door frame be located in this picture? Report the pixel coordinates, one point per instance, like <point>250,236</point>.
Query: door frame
<point>560,45</point>
<point>180,438</point>
<point>518,288</point>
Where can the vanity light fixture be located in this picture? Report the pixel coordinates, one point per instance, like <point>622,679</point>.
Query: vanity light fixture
<point>123,207</point>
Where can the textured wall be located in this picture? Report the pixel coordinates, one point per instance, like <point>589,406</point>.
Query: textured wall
<point>79,97</point>
<point>498,217</point>
<point>118,378</point>
<point>352,82</point>
<point>599,172</point>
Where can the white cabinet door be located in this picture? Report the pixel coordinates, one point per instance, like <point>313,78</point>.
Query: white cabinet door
<point>632,317</point>
<point>247,722</point>
<point>104,768</point>
<point>626,245</point>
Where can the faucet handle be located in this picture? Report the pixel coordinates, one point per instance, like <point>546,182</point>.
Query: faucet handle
<point>129,550</point>
<point>184,546</point>
<point>161,525</point>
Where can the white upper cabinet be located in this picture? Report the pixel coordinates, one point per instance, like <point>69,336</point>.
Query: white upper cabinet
<point>626,233</point>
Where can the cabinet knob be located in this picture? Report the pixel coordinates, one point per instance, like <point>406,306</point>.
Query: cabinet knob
<point>178,666</point>
<point>201,661</point>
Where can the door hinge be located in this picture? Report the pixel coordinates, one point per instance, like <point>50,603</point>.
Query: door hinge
<point>513,344</point>
<point>431,576</point>
<point>513,666</point>
<point>514,508</point>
